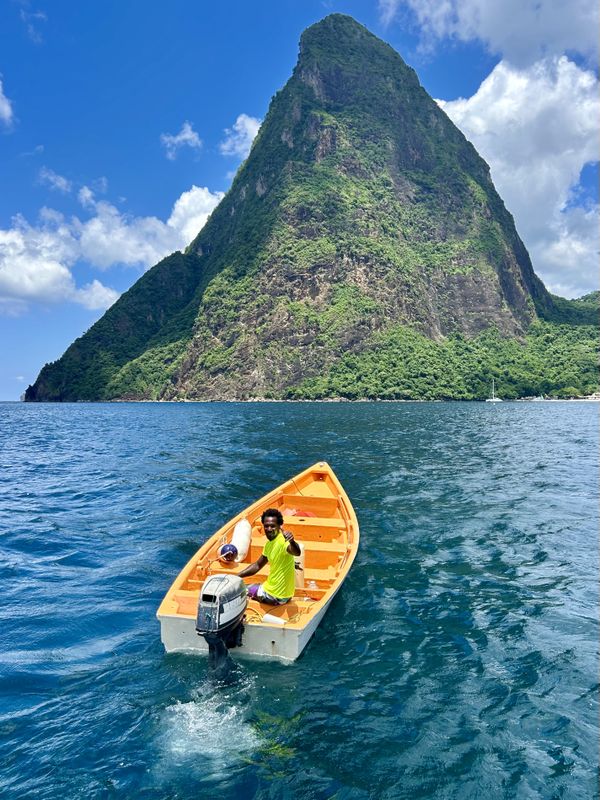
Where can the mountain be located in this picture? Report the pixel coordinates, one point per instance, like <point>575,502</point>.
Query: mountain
<point>593,298</point>
<point>362,250</point>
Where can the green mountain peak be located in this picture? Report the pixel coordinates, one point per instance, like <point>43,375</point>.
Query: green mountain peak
<point>362,228</point>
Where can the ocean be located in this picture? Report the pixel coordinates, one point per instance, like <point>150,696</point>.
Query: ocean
<point>459,660</point>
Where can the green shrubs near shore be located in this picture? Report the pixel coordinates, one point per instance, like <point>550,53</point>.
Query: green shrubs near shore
<point>402,364</point>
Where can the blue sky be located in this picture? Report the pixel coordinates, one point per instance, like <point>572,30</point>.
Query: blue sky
<point>121,125</point>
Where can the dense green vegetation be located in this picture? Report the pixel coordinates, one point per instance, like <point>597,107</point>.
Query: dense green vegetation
<point>583,311</point>
<point>401,364</point>
<point>592,299</point>
<point>362,251</point>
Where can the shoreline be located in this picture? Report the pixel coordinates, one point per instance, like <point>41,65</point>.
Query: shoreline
<point>595,398</point>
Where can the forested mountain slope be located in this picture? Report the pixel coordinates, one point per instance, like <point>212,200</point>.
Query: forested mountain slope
<point>362,251</point>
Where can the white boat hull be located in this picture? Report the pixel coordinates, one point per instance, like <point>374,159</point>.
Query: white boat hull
<point>276,642</point>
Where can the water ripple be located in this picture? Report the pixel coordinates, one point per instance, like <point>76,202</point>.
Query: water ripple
<point>460,659</point>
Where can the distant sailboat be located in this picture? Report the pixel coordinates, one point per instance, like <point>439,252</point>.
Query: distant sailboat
<point>493,398</point>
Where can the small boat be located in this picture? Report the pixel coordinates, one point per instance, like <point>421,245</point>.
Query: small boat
<point>317,511</point>
<point>493,398</point>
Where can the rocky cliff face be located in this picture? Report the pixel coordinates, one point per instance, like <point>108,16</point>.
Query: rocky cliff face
<point>361,209</point>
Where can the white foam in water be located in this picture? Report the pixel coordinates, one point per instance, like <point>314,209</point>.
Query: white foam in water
<point>197,729</point>
<point>210,731</point>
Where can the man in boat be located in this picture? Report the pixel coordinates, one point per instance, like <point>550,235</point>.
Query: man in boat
<point>279,551</point>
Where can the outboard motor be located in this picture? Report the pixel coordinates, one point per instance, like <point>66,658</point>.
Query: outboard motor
<point>221,608</point>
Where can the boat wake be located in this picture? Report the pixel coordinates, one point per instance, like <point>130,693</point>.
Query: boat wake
<point>210,733</point>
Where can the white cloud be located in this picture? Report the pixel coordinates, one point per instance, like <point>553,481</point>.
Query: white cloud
<point>86,197</point>
<point>523,31</point>
<point>187,137</point>
<point>101,185</point>
<point>54,180</point>
<point>12,307</point>
<point>537,128</point>
<point>36,260</point>
<point>33,262</point>
<point>388,9</point>
<point>6,109</point>
<point>37,150</point>
<point>31,19</point>
<point>565,256</point>
<point>238,139</point>
<point>95,296</point>
<point>191,211</point>
<point>110,237</point>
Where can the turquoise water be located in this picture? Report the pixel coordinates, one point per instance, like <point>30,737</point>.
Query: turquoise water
<point>459,660</point>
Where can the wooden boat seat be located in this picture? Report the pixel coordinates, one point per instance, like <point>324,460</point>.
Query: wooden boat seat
<point>307,529</point>
<point>310,574</point>
<point>315,529</point>
<point>319,554</point>
<point>333,547</point>
<point>314,506</point>
<point>313,522</point>
<point>323,576</point>
<point>321,561</point>
<point>321,504</point>
<point>324,547</point>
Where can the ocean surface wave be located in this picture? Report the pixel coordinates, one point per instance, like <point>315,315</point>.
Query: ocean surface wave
<point>460,659</point>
